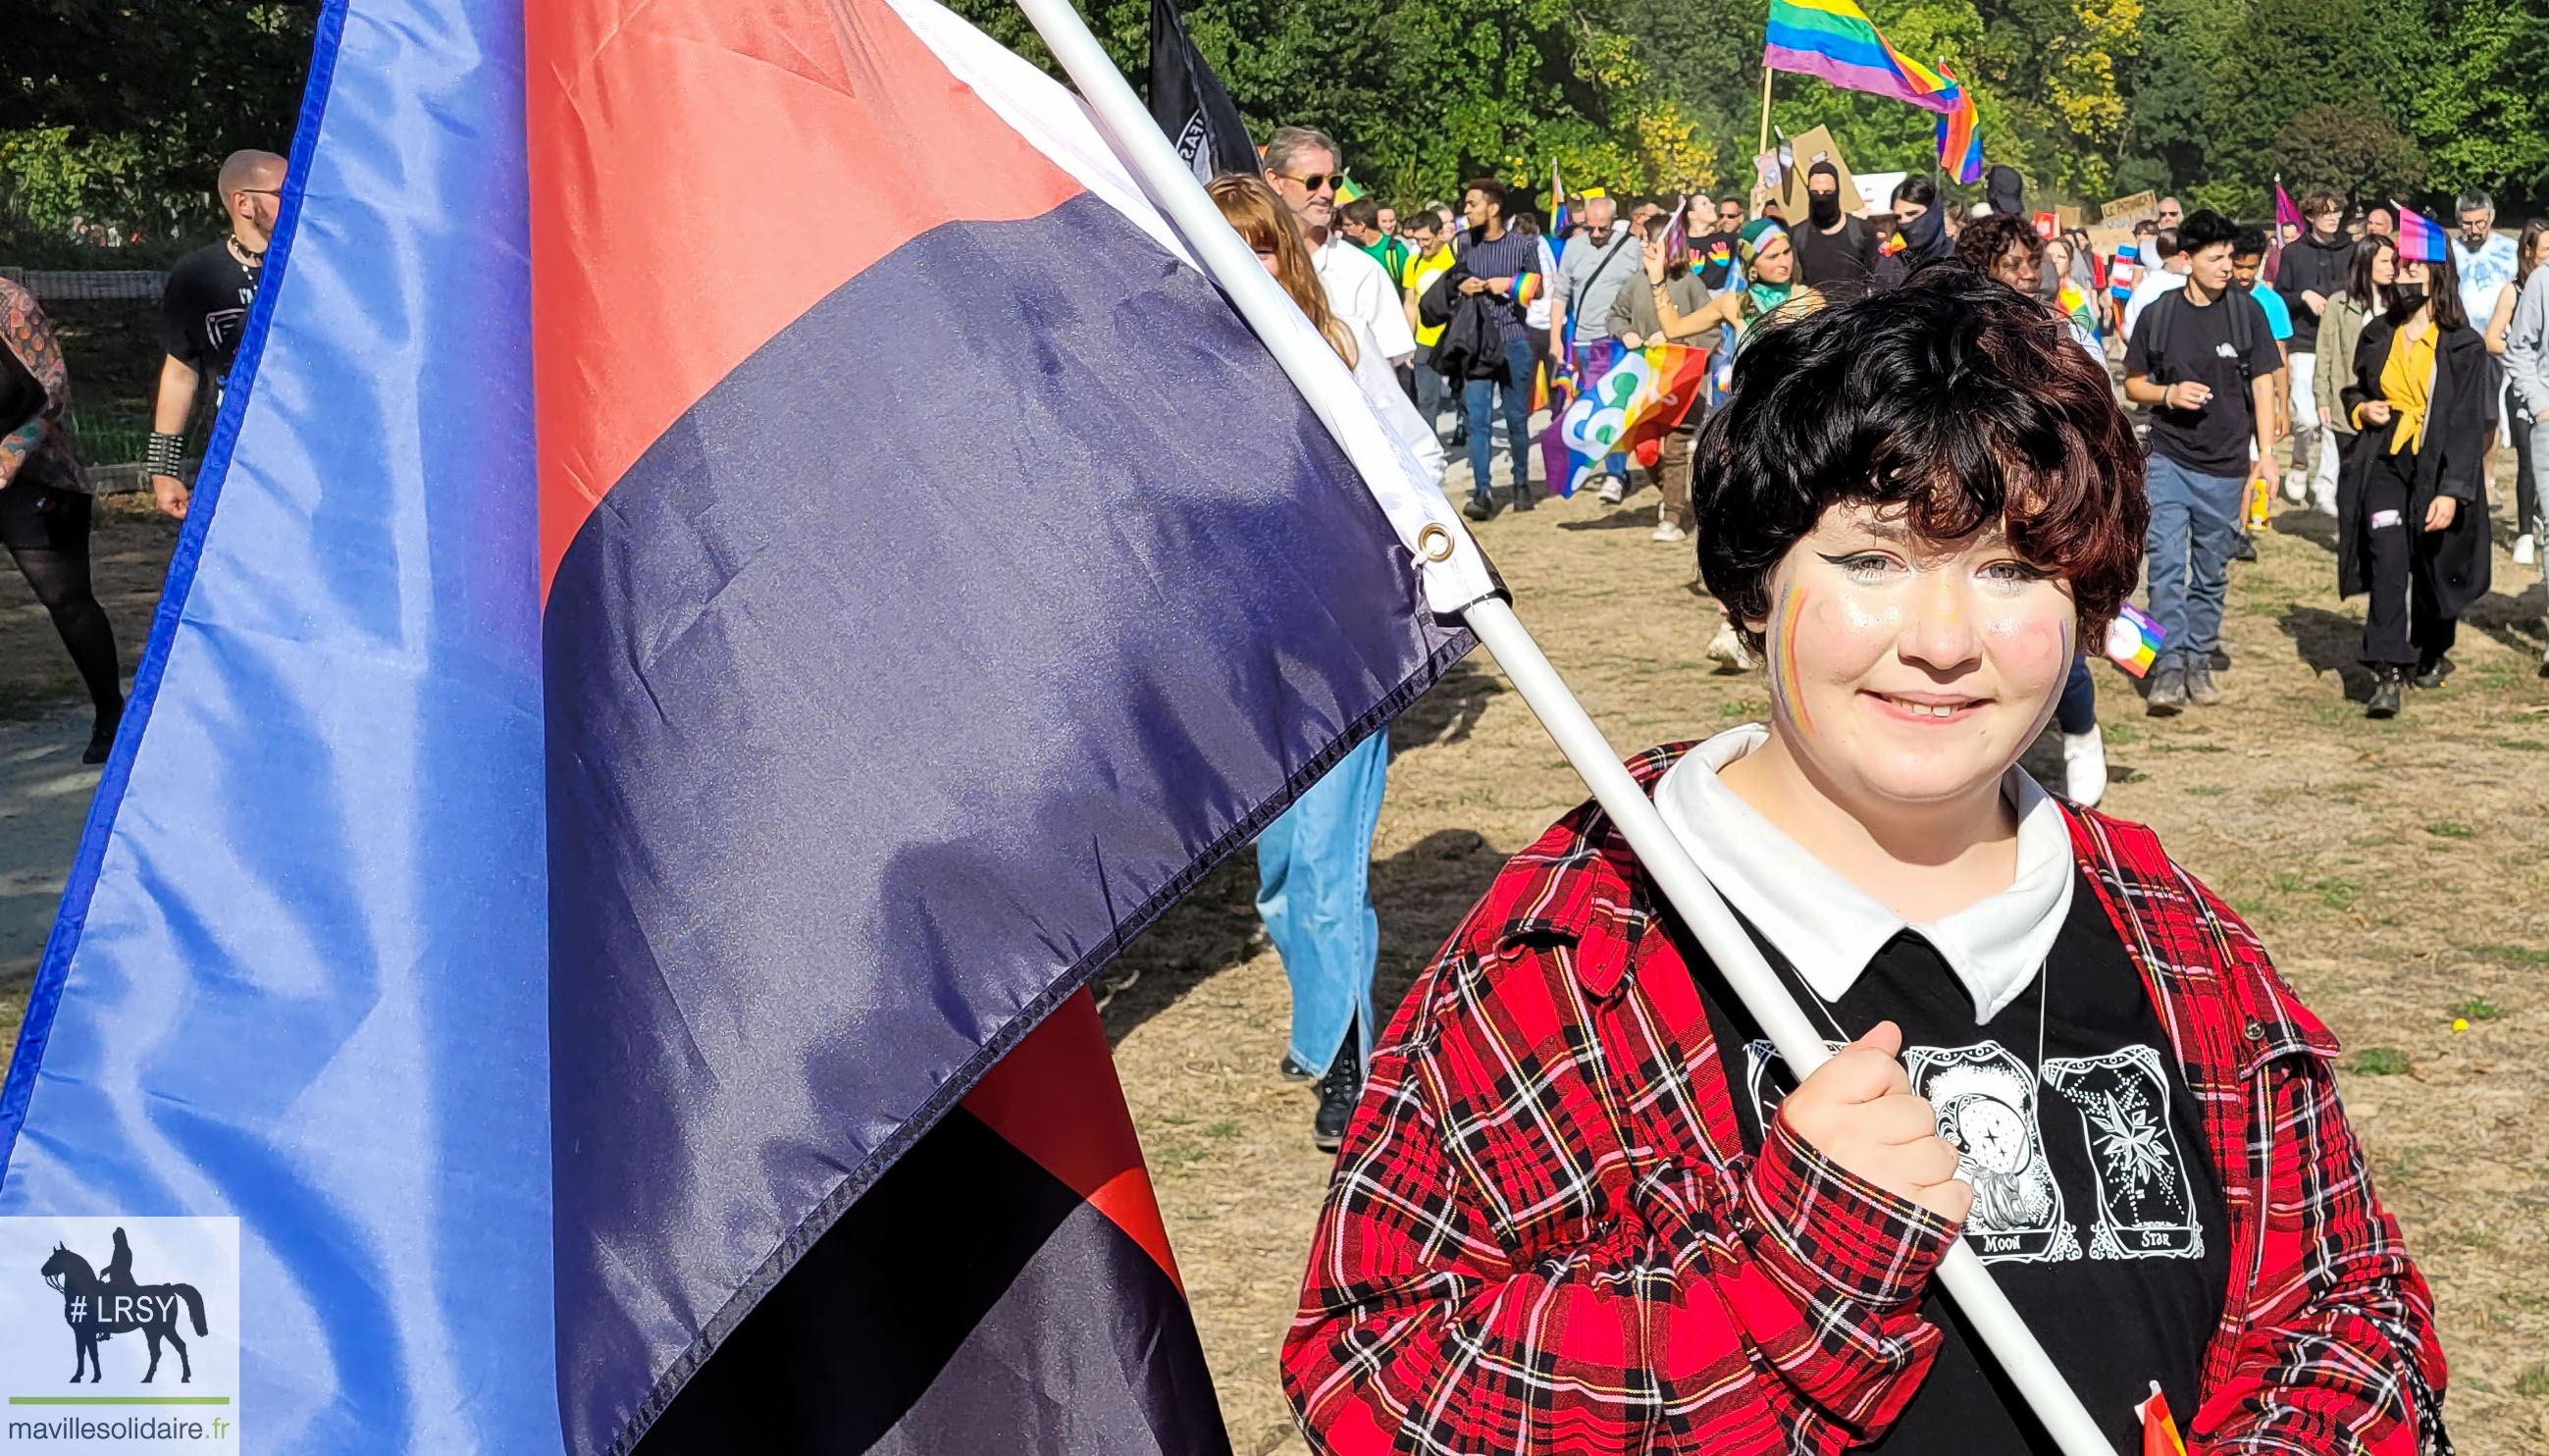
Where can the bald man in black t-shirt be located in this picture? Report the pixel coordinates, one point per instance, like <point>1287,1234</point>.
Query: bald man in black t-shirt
<point>204,309</point>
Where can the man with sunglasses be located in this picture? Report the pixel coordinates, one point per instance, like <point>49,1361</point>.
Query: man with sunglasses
<point>1301,166</point>
<point>203,310</point>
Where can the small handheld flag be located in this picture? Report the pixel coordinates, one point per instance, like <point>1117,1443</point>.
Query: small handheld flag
<point>2134,640</point>
<point>2159,1428</point>
<point>1676,234</point>
<point>2286,215</point>
<point>2420,237</point>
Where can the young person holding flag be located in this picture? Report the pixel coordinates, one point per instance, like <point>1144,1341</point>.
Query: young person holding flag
<point>1583,1206</point>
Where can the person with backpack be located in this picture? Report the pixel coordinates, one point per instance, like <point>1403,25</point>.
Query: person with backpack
<point>2412,524</point>
<point>2203,359</point>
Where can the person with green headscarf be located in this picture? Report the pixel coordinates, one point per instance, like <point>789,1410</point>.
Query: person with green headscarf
<point>1769,264</point>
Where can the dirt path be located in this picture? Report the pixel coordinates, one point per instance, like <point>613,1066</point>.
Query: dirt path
<point>2396,870</point>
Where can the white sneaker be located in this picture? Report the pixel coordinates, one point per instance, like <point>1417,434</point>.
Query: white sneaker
<point>2524,548</point>
<point>1668,533</point>
<point>2084,767</point>
<point>1614,490</point>
<point>1727,650</point>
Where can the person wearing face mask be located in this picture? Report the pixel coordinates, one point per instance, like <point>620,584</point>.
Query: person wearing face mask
<point>1585,1206</point>
<point>1920,230</point>
<point>1834,250</point>
<point>2412,527</point>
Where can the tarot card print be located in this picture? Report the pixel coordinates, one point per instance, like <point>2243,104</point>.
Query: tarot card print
<point>1985,1105</point>
<point>2145,1204</point>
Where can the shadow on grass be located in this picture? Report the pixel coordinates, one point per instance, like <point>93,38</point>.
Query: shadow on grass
<point>2328,642</point>
<point>2309,526</point>
<point>1620,518</point>
<point>1420,894</point>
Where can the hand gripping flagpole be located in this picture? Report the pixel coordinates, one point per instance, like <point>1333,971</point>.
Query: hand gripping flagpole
<point>1455,580</point>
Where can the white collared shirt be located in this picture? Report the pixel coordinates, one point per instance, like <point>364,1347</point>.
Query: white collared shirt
<point>1828,927</point>
<point>1361,289</point>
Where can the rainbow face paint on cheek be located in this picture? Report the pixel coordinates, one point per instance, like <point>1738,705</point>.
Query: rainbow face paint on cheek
<point>1786,686</point>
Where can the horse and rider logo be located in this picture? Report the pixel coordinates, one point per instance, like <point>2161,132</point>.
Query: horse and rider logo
<point>98,1307</point>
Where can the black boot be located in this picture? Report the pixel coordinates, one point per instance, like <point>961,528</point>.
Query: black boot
<point>1340,1087</point>
<point>2386,682</point>
<point>2430,675</point>
<point>101,737</point>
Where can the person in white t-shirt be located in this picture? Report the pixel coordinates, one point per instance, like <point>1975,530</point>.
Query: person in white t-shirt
<point>1301,166</point>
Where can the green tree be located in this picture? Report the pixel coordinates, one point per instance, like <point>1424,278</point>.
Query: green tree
<point>2355,153</point>
<point>117,114</point>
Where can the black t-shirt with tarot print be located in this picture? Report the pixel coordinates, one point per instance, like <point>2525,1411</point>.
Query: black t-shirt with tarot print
<point>2097,1207</point>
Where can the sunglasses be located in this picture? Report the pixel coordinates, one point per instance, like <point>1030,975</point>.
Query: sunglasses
<point>1318,181</point>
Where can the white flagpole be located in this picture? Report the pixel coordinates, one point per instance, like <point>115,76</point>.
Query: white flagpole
<point>1335,399</point>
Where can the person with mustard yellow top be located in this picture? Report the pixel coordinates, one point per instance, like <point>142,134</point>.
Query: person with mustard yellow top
<point>1429,257</point>
<point>2411,508</point>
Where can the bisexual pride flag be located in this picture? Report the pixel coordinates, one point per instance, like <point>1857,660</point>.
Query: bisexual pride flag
<point>740,562</point>
<point>1645,395</point>
<point>2420,237</point>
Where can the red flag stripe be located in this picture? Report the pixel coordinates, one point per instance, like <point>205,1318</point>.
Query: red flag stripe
<point>1055,1098</point>
<point>702,172</point>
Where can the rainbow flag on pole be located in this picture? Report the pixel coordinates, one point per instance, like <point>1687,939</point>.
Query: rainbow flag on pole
<point>1645,397</point>
<point>1835,41</point>
<point>1960,142</point>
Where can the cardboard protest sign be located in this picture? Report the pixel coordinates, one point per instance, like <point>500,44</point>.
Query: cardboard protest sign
<point>2124,212</point>
<point>1814,146</point>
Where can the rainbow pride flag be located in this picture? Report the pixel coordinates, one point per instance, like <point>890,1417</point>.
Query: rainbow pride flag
<point>1647,395</point>
<point>1960,142</point>
<point>2073,301</point>
<point>1835,41</point>
<point>2134,640</point>
<point>2420,237</point>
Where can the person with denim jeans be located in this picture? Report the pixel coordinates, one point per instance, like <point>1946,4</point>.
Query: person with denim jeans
<point>1314,896</point>
<point>2526,368</point>
<point>1503,263</point>
<point>2211,405</point>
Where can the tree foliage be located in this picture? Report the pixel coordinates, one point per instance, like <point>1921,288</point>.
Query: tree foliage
<point>115,114</point>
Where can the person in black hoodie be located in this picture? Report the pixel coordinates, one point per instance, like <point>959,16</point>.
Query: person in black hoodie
<point>1922,229</point>
<point>1834,250</point>
<point>2310,270</point>
<point>2411,510</point>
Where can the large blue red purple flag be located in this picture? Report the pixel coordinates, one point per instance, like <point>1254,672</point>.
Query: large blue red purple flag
<point>592,901</point>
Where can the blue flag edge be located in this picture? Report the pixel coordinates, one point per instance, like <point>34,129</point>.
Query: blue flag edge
<point>819,1220</point>
<point>44,994</point>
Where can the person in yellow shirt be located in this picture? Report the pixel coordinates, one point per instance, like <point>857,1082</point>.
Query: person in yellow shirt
<point>2411,508</point>
<point>1429,257</point>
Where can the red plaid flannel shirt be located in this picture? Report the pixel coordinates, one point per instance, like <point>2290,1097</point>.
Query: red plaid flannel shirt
<point>1544,1233</point>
